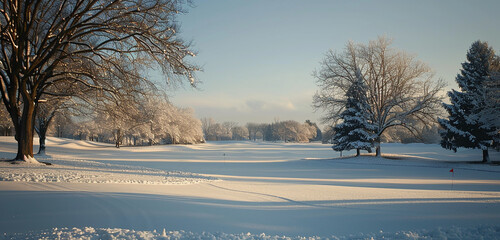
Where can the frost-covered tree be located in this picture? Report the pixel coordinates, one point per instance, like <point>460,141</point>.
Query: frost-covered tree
<point>399,87</point>
<point>471,123</point>
<point>149,120</point>
<point>319,134</point>
<point>173,125</point>
<point>45,42</point>
<point>253,130</point>
<point>63,125</point>
<point>124,116</point>
<point>228,130</point>
<point>491,111</point>
<point>289,131</point>
<point>208,126</point>
<point>215,131</point>
<point>355,131</point>
<point>58,99</point>
<point>240,133</point>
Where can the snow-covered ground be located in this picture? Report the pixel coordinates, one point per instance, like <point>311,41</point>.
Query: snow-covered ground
<point>247,190</point>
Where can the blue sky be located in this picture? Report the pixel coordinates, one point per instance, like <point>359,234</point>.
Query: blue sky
<point>258,56</point>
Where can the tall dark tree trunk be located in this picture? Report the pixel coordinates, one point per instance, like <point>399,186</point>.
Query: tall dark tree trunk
<point>378,153</point>
<point>486,156</point>
<point>24,132</point>
<point>118,138</point>
<point>42,135</point>
<point>41,149</point>
<point>42,122</point>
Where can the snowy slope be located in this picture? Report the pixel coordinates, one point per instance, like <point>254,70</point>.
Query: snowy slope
<point>223,189</point>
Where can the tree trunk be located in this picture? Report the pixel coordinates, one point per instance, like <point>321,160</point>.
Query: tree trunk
<point>378,153</point>
<point>358,152</point>
<point>486,156</point>
<point>118,138</point>
<point>42,127</point>
<point>24,133</point>
<point>41,149</point>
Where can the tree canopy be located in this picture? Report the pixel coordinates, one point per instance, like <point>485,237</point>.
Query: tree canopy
<point>102,45</point>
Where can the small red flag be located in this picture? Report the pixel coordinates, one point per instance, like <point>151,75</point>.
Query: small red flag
<point>451,170</point>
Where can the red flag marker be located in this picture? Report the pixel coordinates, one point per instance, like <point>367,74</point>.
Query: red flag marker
<point>452,170</point>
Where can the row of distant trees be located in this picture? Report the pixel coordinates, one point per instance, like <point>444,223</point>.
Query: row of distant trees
<point>371,91</point>
<point>428,134</point>
<point>286,131</point>
<point>153,120</point>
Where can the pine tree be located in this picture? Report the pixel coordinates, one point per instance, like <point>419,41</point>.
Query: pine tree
<point>491,112</point>
<point>466,125</point>
<point>355,132</point>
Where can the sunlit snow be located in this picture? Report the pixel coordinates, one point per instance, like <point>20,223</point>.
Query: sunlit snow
<point>247,190</point>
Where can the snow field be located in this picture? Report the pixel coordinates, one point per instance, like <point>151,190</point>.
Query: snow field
<point>89,233</point>
<point>80,171</point>
<point>220,190</point>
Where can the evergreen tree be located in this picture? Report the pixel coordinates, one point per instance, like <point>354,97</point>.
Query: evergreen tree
<point>491,113</point>
<point>355,132</point>
<point>467,126</point>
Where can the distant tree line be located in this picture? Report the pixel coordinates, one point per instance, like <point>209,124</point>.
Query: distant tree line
<point>286,131</point>
<point>427,133</point>
<point>154,121</point>
<point>151,121</point>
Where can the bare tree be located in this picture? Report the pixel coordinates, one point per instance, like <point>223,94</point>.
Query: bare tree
<point>46,111</point>
<point>253,130</point>
<point>399,87</point>
<point>43,42</point>
<point>57,100</point>
<point>207,124</point>
<point>126,112</point>
<point>227,128</point>
<point>240,133</point>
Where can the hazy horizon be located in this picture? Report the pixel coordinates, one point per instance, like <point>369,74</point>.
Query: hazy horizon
<point>258,56</point>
